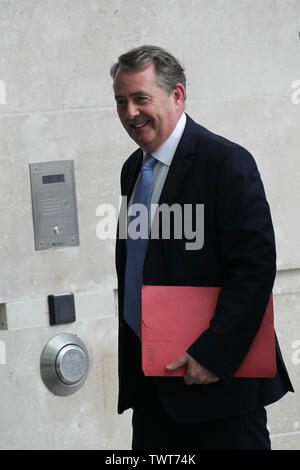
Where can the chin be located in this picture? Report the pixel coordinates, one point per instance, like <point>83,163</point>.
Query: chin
<point>145,145</point>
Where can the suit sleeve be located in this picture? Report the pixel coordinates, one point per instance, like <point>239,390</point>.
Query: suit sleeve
<point>246,247</point>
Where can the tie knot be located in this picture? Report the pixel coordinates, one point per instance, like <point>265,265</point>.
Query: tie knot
<point>149,162</point>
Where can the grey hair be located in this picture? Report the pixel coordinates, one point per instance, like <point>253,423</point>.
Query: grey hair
<point>168,68</point>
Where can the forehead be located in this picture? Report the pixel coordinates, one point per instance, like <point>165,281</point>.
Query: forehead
<point>129,82</point>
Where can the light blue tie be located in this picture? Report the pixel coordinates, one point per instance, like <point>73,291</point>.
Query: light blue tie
<point>136,248</point>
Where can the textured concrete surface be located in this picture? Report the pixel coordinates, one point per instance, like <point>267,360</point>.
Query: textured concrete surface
<point>33,418</point>
<point>56,102</point>
<point>283,416</point>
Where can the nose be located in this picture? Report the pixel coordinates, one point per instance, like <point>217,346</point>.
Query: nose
<point>132,110</point>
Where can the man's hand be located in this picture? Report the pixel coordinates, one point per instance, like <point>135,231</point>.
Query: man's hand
<point>195,373</point>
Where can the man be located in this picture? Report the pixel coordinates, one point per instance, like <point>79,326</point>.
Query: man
<point>182,162</point>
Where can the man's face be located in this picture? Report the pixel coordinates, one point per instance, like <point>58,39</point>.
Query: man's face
<point>146,111</point>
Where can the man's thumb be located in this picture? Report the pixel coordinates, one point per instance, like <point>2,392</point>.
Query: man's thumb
<point>179,362</point>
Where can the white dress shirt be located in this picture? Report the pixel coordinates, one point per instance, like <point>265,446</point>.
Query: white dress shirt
<point>164,154</point>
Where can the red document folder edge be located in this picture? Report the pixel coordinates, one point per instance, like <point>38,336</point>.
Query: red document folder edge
<point>172,318</point>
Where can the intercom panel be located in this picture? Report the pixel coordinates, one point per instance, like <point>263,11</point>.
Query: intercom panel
<point>54,204</point>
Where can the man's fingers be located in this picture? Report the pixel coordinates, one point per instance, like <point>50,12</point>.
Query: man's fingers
<point>195,373</point>
<point>188,379</point>
<point>179,362</point>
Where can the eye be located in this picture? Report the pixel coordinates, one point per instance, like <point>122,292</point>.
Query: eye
<point>120,102</point>
<point>142,99</point>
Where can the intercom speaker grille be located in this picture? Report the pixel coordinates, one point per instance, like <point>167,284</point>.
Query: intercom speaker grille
<point>49,206</point>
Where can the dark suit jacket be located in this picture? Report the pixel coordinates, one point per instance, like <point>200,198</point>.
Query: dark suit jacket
<point>238,254</point>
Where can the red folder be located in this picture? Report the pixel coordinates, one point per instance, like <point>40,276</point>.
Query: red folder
<point>172,318</point>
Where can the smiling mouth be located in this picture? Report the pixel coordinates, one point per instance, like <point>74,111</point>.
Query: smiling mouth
<point>139,125</point>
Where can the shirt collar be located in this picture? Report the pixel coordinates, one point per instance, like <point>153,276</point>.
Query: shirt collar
<point>166,151</point>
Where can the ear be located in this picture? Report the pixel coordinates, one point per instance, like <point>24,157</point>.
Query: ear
<point>179,94</point>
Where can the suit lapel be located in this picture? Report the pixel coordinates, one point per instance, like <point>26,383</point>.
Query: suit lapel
<point>127,186</point>
<point>133,174</point>
<point>179,166</point>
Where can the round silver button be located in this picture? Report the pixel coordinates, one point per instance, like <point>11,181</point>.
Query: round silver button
<point>64,364</point>
<point>71,363</point>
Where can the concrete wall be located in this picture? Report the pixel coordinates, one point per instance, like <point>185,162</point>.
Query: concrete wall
<point>56,103</point>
